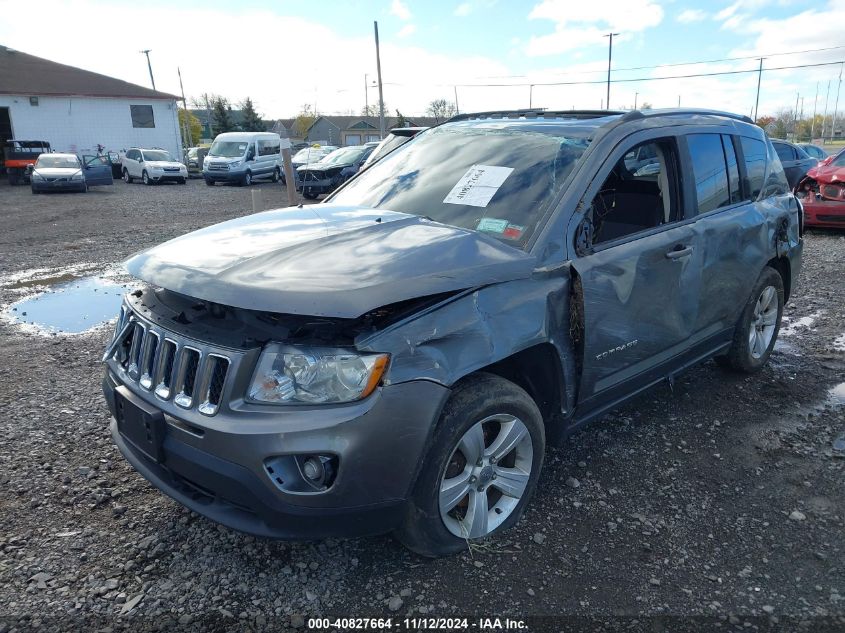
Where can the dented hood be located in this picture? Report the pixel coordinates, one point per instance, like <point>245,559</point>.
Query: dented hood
<point>327,260</point>
<point>827,173</point>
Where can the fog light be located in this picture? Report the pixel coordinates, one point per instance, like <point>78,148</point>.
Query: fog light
<point>313,469</point>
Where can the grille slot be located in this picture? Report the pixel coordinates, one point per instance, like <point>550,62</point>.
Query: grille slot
<point>186,379</point>
<point>214,379</point>
<point>135,351</point>
<point>148,360</point>
<point>164,370</point>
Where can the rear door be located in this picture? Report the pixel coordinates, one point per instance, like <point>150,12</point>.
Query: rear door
<point>639,273</point>
<point>97,170</point>
<point>789,159</point>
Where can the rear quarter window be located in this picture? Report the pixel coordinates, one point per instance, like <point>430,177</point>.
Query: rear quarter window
<point>776,183</point>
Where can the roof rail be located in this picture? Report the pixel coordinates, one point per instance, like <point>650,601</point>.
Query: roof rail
<point>633,115</point>
<point>536,113</point>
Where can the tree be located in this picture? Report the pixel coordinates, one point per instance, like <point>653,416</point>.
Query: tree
<point>646,106</point>
<point>373,110</point>
<point>765,121</point>
<point>303,121</point>
<point>441,109</point>
<point>401,121</point>
<point>221,116</point>
<point>251,121</point>
<point>194,126</point>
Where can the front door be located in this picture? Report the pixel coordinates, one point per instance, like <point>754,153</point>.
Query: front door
<point>97,170</point>
<point>639,275</point>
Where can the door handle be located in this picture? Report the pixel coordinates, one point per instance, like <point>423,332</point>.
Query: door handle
<point>679,251</point>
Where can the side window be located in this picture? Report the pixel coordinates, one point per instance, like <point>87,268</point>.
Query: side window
<point>268,148</point>
<point>640,193</point>
<point>709,171</point>
<point>754,152</point>
<point>776,182</point>
<point>733,169</point>
<point>784,152</point>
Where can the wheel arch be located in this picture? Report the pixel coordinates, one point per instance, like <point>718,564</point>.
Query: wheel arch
<point>784,269</point>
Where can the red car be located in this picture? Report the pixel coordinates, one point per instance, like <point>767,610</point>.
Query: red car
<point>822,192</point>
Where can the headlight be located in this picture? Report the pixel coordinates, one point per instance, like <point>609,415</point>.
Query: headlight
<point>77,176</point>
<point>36,176</point>
<point>234,164</point>
<point>314,375</point>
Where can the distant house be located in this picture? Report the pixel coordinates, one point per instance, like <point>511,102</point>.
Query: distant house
<point>76,110</point>
<point>237,117</point>
<point>356,130</point>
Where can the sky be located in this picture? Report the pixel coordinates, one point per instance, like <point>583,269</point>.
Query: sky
<point>285,54</point>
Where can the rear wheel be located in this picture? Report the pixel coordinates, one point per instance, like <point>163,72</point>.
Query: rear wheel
<point>481,469</point>
<point>758,326</point>
<point>126,177</point>
<point>309,195</point>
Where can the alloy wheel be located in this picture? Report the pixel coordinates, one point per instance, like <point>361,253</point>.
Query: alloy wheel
<point>486,476</point>
<point>763,322</point>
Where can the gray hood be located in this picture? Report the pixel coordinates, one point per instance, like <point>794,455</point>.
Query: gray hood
<point>57,172</point>
<point>327,260</point>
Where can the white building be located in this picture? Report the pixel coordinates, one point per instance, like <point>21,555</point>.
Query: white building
<point>76,110</point>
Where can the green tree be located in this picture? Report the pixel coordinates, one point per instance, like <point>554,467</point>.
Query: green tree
<point>221,116</point>
<point>401,121</point>
<point>251,121</point>
<point>303,121</point>
<point>194,126</point>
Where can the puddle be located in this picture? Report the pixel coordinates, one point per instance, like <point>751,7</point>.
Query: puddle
<point>786,348</point>
<point>69,306</point>
<point>837,394</point>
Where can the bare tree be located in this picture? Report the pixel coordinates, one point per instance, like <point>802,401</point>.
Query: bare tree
<point>441,109</point>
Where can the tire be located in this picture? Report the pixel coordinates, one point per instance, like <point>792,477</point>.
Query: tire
<point>276,174</point>
<point>209,182</point>
<point>145,178</point>
<point>758,326</point>
<point>34,191</point>
<point>247,179</point>
<point>182,181</point>
<point>489,409</point>
<point>126,177</point>
<point>309,196</point>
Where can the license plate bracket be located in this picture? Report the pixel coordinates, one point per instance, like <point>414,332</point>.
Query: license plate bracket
<point>141,425</point>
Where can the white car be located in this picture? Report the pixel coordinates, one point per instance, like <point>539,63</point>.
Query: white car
<point>152,166</point>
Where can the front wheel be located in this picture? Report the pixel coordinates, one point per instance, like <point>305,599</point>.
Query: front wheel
<point>276,175</point>
<point>145,178</point>
<point>209,182</point>
<point>247,181</point>
<point>309,196</point>
<point>181,181</point>
<point>481,469</point>
<point>758,326</point>
<point>126,177</point>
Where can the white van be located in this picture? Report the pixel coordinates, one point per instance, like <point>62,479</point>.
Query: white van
<point>241,157</point>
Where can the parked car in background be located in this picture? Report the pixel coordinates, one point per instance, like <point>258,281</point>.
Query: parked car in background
<point>65,172</point>
<point>814,150</point>
<point>822,192</point>
<point>20,156</point>
<point>399,358</point>
<point>241,157</point>
<point>396,138</point>
<point>308,155</point>
<point>152,166</point>
<point>194,159</point>
<point>332,171</point>
<point>796,162</point>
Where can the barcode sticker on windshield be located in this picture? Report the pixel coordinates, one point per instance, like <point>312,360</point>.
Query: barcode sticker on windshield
<point>478,186</point>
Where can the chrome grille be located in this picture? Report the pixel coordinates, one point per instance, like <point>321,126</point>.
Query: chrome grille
<point>167,365</point>
<point>218,166</point>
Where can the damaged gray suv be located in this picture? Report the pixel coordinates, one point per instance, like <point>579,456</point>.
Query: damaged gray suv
<point>398,357</point>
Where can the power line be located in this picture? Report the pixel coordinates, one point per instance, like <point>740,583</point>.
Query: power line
<point>636,79</point>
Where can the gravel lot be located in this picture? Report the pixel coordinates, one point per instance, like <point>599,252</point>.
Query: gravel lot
<point>717,504</point>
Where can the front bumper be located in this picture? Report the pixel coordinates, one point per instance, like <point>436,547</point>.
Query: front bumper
<point>58,185</point>
<point>223,176</point>
<point>823,213</point>
<point>216,466</point>
<point>168,176</point>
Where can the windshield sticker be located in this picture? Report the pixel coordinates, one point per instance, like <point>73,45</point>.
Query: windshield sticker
<point>513,231</point>
<point>492,225</point>
<point>478,186</point>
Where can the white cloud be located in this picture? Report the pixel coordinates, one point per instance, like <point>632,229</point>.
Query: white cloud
<point>407,30</point>
<point>582,24</point>
<point>463,9</point>
<point>691,15</point>
<point>400,10</point>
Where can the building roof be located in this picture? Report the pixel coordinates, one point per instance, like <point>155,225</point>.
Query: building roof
<point>351,122</point>
<point>23,74</point>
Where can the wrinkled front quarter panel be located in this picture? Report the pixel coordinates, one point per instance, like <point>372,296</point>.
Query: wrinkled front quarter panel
<point>479,328</point>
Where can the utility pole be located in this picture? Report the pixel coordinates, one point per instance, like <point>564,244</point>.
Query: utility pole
<point>366,97</point>
<point>380,93</point>
<point>457,108</point>
<point>759,77</point>
<point>813,122</point>
<point>795,117</point>
<point>826,101</point>
<point>636,94</point>
<point>150,66</point>
<point>189,136</point>
<point>530,95</point>
<point>609,58</point>
<point>836,107</point>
